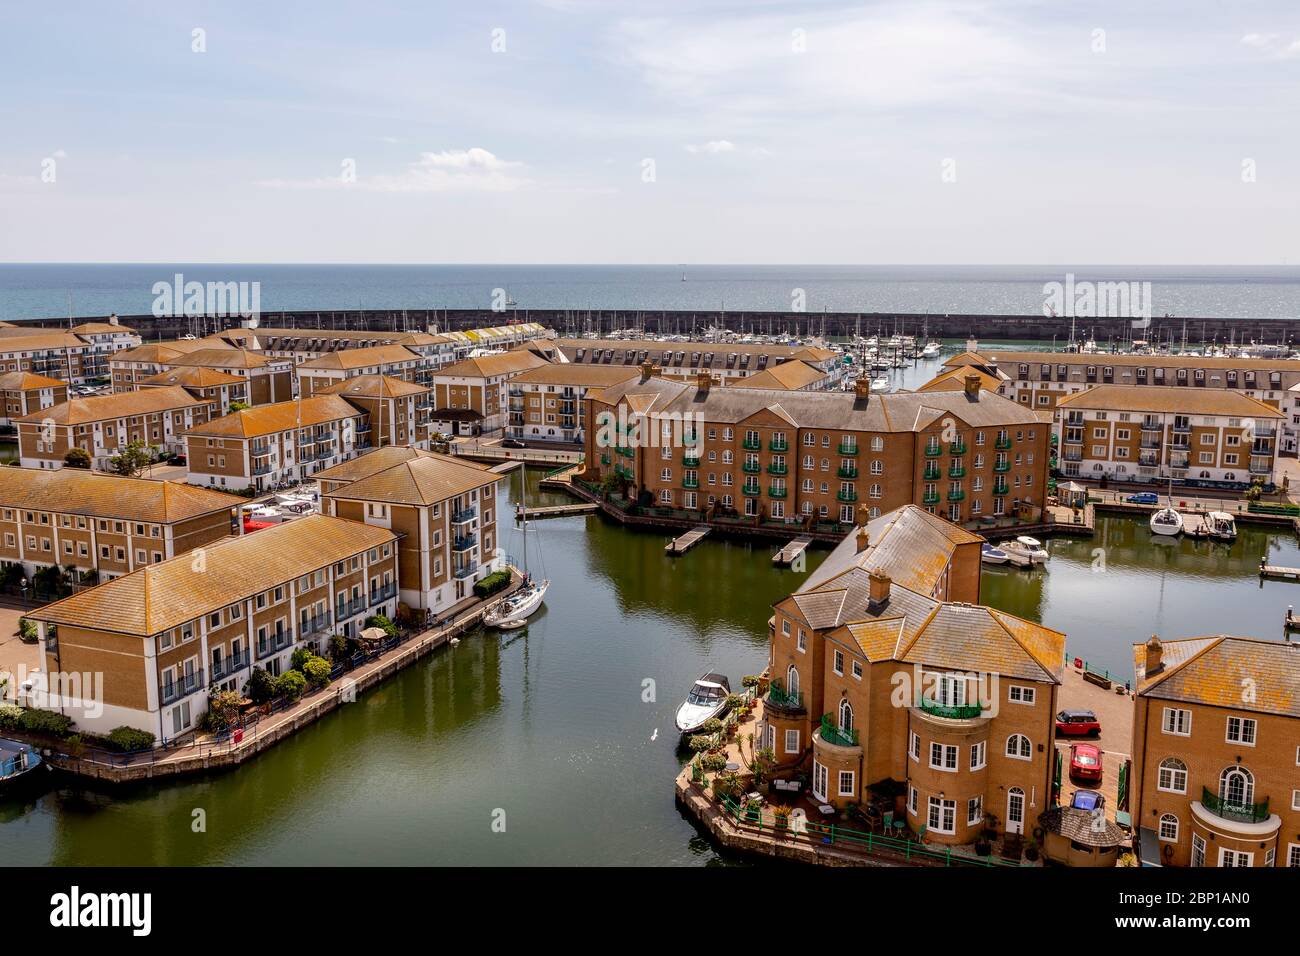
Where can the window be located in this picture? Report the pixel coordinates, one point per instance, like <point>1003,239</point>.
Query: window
<point>1177,721</point>
<point>1169,828</point>
<point>1237,786</point>
<point>1020,695</point>
<point>846,716</point>
<point>1198,850</point>
<point>846,783</point>
<point>839,663</point>
<point>914,745</point>
<point>978,753</point>
<point>1018,746</point>
<point>911,800</point>
<point>792,741</point>
<point>1235,858</point>
<point>943,815</point>
<point>1172,777</point>
<point>974,811</point>
<point>1293,855</point>
<point>819,781</point>
<point>857,670</point>
<point>943,756</point>
<point>1241,730</point>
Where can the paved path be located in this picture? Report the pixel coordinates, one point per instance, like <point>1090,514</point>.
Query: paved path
<point>1115,712</point>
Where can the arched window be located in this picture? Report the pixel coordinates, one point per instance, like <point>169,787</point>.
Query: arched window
<point>877,443</point>
<point>846,716</point>
<point>1237,786</point>
<point>1169,828</point>
<point>792,679</point>
<point>1173,775</point>
<point>1018,746</point>
<point>877,467</point>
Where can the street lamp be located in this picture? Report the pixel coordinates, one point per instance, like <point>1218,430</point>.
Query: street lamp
<point>23,585</point>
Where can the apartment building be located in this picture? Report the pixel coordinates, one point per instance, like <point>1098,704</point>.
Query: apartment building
<point>886,685</point>
<point>102,525</point>
<point>548,403</point>
<point>1216,752</point>
<point>53,354</point>
<point>164,634</point>
<point>303,345</point>
<point>470,397</point>
<point>24,393</point>
<point>726,362</point>
<point>263,446</point>
<point>398,412</point>
<point>796,375</point>
<point>216,388</point>
<point>130,366</point>
<point>393,361</point>
<point>805,457</point>
<point>443,510</point>
<point>467,342</point>
<point>1042,379</point>
<point>105,339</point>
<point>267,379</point>
<point>103,425</point>
<point>1209,437</point>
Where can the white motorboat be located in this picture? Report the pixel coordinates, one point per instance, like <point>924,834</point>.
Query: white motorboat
<point>1167,521</point>
<point>931,350</point>
<point>992,555</point>
<point>706,700</point>
<point>1028,547</point>
<point>510,613</point>
<point>880,384</point>
<point>1221,525</point>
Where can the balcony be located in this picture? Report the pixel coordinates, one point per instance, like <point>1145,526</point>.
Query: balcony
<point>691,483</point>
<point>625,473</point>
<point>1183,429</point>
<point>956,496</point>
<point>933,451</point>
<point>229,665</point>
<point>1241,812</point>
<point>751,467</point>
<point>462,542</point>
<point>1000,488</point>
<point>931,497</point>
<point>383,593</point>
<point>182,686</point>
<point>951,711</point>
<point>274,642</point>
<point>775,469</point>
<point>690,461</point>
<point>932,471</point>
<point>958,472</point>
<point>831,733</point>
<point>848,449</point>
<point>465,515</point>
<point>778,444</point>
<point>778,698</point>
<point>957,448</point>
<point>776,491</point>
<point>847,494</point>
<point>348,609</point>
<point>750,491</point>
<point>1003,442</point>
<point>314,625</point>
<point>625,452</point>
<point>1002,466</point>
<point>465,570</point>
<point>847,471</point>
<point>753,444</point>
<point>1152,426</point>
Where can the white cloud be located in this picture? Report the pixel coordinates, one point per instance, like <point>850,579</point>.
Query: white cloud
<point>457,170</point>
<point>59,154</point>
<point>712,146</point>
<point>1272,44</point>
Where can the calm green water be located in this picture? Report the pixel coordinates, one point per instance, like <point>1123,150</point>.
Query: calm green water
<point>551,728</point>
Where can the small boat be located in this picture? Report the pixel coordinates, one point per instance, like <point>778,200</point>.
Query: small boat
<point>880,384</point>
<point>511,612</point>
<point>1030,548</point>
<point>1167,521</point>
<point>18,764</point>
<point>992,555</point>
<point>931,350</point>
<point>706,700</point>
<point>1221,525</point>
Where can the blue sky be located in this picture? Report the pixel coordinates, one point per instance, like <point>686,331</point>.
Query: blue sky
<point>907,132</point>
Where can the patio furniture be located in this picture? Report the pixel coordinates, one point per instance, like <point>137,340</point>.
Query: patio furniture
<point>898,826</point>
<point>826,810</point>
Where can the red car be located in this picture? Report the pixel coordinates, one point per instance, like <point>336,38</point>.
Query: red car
<point>1077,723</point>
<point>1085,762</point>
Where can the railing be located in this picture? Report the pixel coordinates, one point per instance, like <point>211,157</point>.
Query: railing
<point>956,495</point>
<point>931,498</point>
<point>849,495</point>
<point>933,451</point>
<point>774,469</point>
<point>750,491</point>
<point>847,471</point>
<point>1001,488</point>
<point>753,444</point>
<point>690,483</point>
<point>957,448</point>
<point>383,594</point>
<point>228,666</point>
<point>462,543</point>
<point>1002,466</point>
<point>751,467</point>
<point>951,711</point>
<point>776,491</point>
<point>782,699</point>
<point>466,570</point>
<point>1003,441</point>
<point>832,733</point>
<point>778,444</point>
<point>932,471</point>
<point>314,625</point>
<point>465,515</point>
<point>184,685</point>
<point>1241,812</point>
<point>958,472</point>
<point>276,642</point>
<point>690,461</point>
<point>350,608</point>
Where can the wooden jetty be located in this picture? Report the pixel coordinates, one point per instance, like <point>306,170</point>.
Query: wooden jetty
<point>791,552</point>
<point>684,543</point>
<point>1278,571</point>
<point>556,511</point>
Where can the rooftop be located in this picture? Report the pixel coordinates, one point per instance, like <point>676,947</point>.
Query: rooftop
<point>1188,400</point>
<point>423,480</point>
<point>100,408</point>
<point>1214,671</point>
<point>370,355</point>
<point>500,363</point>
<point>374,386</point>
<point>281,416</point>
<point>80,492</point>
<point>795,374</point>
<point>25,381</point>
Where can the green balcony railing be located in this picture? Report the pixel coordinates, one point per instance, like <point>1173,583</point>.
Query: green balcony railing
<point>848,449</point>
<point>847,471</point>
<point>931,498</point>
<point>956,496</point>
<point>782,699</point>
<point>750,491</point>
<point>957,448</point>
<point>690,482</point>
<point>849,495</point>
<point>1002,466</point>
<point>776,491</point>
<point>933,451</point>
<point>779,444</point>
<point>1000,488</point>
<point>932,471</point>
<point>753,444</point>
<point>1242,812</point>
<point>958,472</point>
<point>951,711</point>
<point>623,472</point>
<point>1004,441</point>
<point>625,452</point>
<point>775,469</point>
<point>690,461</point>
<point>752,467</point>
<point>604,459</point>
<point>832,733</point>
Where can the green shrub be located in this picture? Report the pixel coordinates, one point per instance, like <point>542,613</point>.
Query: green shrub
<point>714,762</point>
<point>223,709</point>
<point>383,623</point>
<point>27,631</point>
<point>45,722</point>
<point>317,671</point>
<point>11,716</point>
<point>130,738</point>
<point>261,686</point>
<point>291,684</point>
<point>711,726</point>
<point>299,657</point>
<point>491,584</point>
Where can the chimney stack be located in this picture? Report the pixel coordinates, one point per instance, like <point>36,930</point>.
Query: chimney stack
<point>878,595</point>
<point>702,381</point>
<point>972,345</point>
<point>1155,653</point>
<point>972,387</point>
<point>864,539</point>
<point>862,386</point>
<point>647,369</point>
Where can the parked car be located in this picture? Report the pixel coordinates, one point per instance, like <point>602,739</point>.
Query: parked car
<point>1143,498</point>
<point>512,443</point>
<point>1077,723</point>
<point>176,460</point>
<point>1088,800</point>
<point>1085,762</point>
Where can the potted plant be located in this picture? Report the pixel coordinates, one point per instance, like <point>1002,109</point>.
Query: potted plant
<point>781,816</point>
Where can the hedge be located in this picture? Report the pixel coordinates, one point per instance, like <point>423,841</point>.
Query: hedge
<point>45,722</point>
<point>491,584</point>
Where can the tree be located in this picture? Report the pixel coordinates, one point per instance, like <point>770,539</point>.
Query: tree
<point>77,458</point>
<point>133,459</point>
<point>237,405</point>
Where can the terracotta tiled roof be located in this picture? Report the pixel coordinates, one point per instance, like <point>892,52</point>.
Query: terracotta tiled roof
<point>362,358</point>
<point>374,386</point>
<point>418,481</point>
<point>571,373</point>
<point>193,377</point>
<point>223,358</point>
<point>954,379</point>
<point>101,328</point>
<point>1217,670</point>
<point>161,352</point>
<point>39,341</point>
<point>281,416</point>
<point>99,408</point>
<point>165,595</point>
<point>74,491</point>
<point>502,363</point>
<point>1187,400</point>
<point>377,460</point>
<point>27,381</point>
<point>787,375</point>
<point>1101,359</point>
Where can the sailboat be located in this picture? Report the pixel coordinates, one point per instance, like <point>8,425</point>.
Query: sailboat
<point>514,610</point>
<point>1167,520</point>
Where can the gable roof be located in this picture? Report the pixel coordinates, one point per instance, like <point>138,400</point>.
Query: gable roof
<point>192,377</point>
<point>222,358</point>
<point>788,375</point>
<point>365,357</point>
<point>281,416</point>
<point>26,381</point>
<point>375,460</point>
<point>99,408</point>
<point>485,366</point>
<point>374,386</point>
<point>417,481</point>
<point>1214,670</point>
<point>1183,399</point>
<point>76,491</point>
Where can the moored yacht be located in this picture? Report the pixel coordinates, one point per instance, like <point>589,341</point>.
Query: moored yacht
<point>992,555</point>
<point>1221,525</point>
<point>707,699</point>
<point>1167,521</point>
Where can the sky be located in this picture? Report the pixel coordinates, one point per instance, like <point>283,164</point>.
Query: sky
<point>710,131</point>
